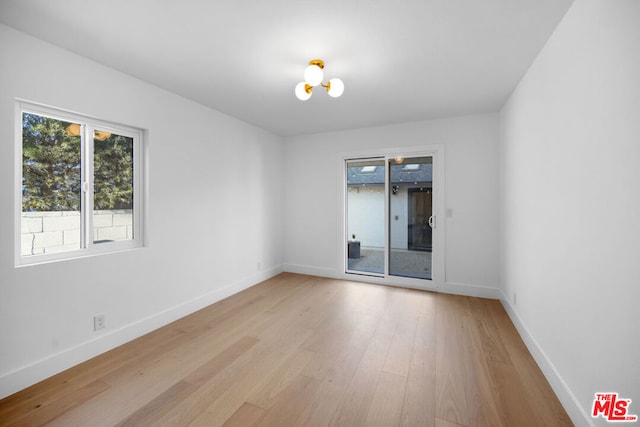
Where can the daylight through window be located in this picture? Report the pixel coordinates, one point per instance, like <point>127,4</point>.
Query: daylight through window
<point>80,186</point>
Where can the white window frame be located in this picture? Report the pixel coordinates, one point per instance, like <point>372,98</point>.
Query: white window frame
<point>88,126</point>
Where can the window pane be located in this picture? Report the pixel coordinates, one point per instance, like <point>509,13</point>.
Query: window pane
<point>113,187</point>
<point>365,216</point>
<point>410,204</point>
<point>51,179</point>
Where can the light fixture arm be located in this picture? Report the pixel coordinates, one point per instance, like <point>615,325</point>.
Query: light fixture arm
<point>318,62</point>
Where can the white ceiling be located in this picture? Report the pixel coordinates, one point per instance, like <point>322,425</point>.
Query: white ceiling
<point>400,60</point>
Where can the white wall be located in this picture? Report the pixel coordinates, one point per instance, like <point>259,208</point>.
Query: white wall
<point>220,174</point>
<point>313,205</point>
<point>570,204</point>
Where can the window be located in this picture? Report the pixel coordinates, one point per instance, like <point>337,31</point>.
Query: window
<point>79,186</point>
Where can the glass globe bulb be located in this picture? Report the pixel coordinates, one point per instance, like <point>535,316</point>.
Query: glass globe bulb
<point>301,92</point>
<point>336,88</point>
<point>313,75</point>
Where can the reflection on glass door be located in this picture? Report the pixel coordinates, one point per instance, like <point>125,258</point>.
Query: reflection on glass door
<point>410,217</point>
<point>365,245</point>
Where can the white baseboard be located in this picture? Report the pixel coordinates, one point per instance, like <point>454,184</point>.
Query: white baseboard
<point>576,412</point>
<point>311,271</point>
<point>37,371</point>
<point>470,290</point>
<point>448,287</point>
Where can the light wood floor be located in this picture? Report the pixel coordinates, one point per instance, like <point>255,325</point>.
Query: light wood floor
<point>301,350</point>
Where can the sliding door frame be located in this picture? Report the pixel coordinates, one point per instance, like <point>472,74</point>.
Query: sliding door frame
<point>438,233</point>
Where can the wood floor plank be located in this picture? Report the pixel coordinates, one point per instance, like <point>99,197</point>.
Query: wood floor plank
<point>465,388</point>
<point>338,363</point>
<point>492,344</point>
<point>231,386</point>
<point>291,403</point>
<point>165,403</point>
<point>398,358</point>
<point>280,379</point>
<point>216,400</point>
<point>303,350</point>
<point>444,423</point>
<point>205,372</point>
<point>420,399</point>
<point>319,411</point>
<point>45,414</point>
<point>451,371</point>
<point>386,405</point>
<point>247,415</point>
<point>357,400</point>
<point>130,393</point>
<point>482,393</point>
<point>244,383</point>
<point>159,406</point>
<point>515,410</point>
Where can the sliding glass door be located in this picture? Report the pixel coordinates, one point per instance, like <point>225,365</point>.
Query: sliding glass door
<point>389,216</point>
<point>411,219</point>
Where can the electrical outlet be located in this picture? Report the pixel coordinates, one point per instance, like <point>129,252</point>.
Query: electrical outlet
<point>99,322</point>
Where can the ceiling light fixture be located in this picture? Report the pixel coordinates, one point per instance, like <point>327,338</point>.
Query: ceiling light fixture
<point>313,76</point>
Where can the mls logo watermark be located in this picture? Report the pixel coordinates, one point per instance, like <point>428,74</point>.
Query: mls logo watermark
<point>612,408</point>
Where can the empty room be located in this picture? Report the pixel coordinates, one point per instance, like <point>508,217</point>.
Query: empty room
<point>291,213</point>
